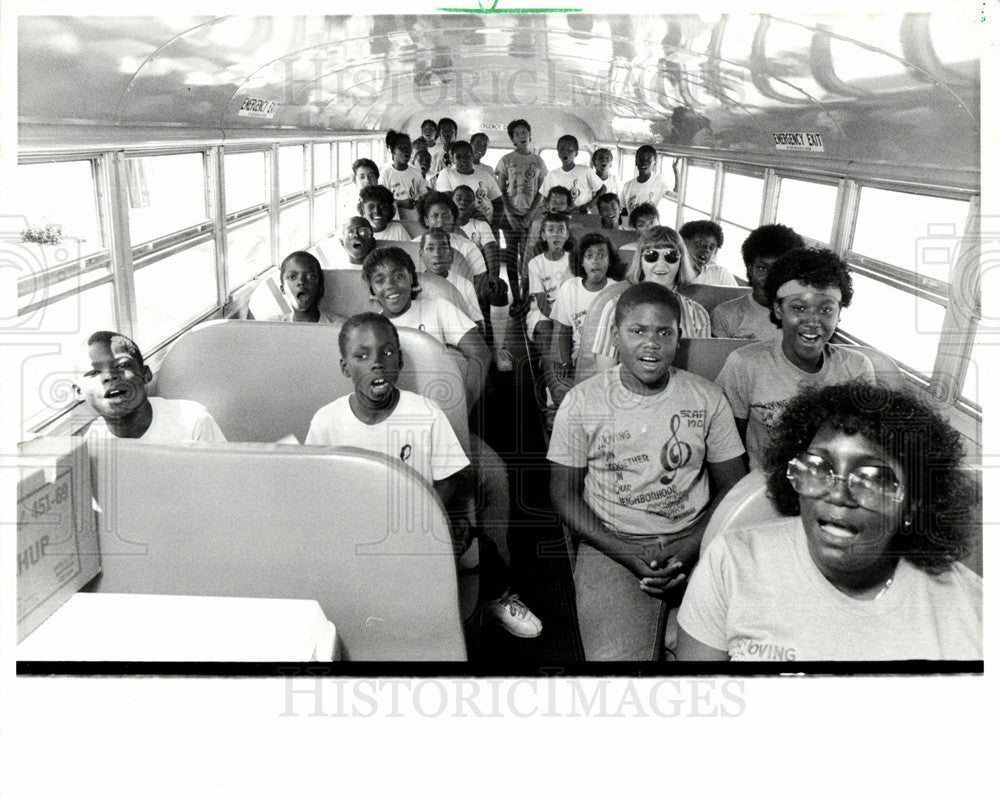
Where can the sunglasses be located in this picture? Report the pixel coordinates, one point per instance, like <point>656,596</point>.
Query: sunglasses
<point>670,255</point>
<point>870,487</point>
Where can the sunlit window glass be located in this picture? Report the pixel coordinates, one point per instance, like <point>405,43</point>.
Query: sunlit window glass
<point>322,170</point>
<point>919,233</point>
<point>69,212</point>
<point>248,251</point>
<point>246,180</point>
<point>344,160</point>
<point>293,228</point>
<point>291,164</point>
<point>911,337</point>
<point>173,292</point>
<point>808,208</point>
<point>166,193</point>
<point>741,199</point>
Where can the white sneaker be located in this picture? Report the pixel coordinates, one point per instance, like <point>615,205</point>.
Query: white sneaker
<point>514,616</point>
<point>505,362</point>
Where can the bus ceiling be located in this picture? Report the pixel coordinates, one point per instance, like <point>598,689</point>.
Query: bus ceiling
<point>875,89</point>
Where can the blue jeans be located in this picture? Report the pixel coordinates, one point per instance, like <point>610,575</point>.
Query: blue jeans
<point>618,621</point>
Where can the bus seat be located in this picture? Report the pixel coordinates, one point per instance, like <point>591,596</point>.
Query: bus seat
<point>705,356</point>
<point>285,522</point>
<point>618,237</point>
<point>710,296</point>
<point>745,504</point>
<point>887,372</point>
<point>412,247</point>
<point>267,300</point>
<point>345,293</point>
<point>587,222</point>
<point>264,381</point>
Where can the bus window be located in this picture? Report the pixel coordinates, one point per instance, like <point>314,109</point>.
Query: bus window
<point>248,250</point>
<point>166,193</point>
<point>291,170</point>
<point>551,159</point>
<point>173,291</point>
<point>975,384</point>
<point>911,336</point>
<point>322,164</point>
<point>325,213</point>
<point>808,208</point>
<point>344,161</point>
<point>740,214</point>
<point>917,233</point>
<point>72,208</point>
<point>246,180</point>
<point>293,228</point>
<point>493,155</point>
<point>699,191</point>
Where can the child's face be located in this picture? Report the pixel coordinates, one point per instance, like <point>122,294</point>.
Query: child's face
<point>808,321</point>
<point>557,203</point>
<point>436,255</point>
<point>479,147</point>
<point>645,222</point>
<point>429,132</point>
<point>301,285</point>
<point>419,145</point>
<point>439,216</point>
<point>567,153</point>
<point>372,362</point>
<point>602,162</point>
<point>702,248</point>
<point>644,162</point>
<point>111,380</point>
<point>462,158</point>
<point>392,285</point>
<point>647,343</point>
<point>520,138</point>
<point>758,276</point>
<point>660,263</point>
<point>555,234</point>
<point>595,263</point>
<point>609,210</point>
<point>378,214</point>
<point>424,162</point>
<point>364,177</point>
<point>357,239</point>
<point>465,201</point>
<point>401,153</point>
<point>448,132</point>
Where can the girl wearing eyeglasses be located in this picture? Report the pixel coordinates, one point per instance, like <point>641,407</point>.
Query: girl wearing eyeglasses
<point>864,566</point>
<point>661,257</point>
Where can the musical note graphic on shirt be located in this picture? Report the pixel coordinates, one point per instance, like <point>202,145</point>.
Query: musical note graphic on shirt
<point>575,191</point>
<point>404,452</point>
<point>675,454</point>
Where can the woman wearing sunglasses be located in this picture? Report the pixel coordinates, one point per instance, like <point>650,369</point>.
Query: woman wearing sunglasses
<point>661,257</point>
<point>864,566</point>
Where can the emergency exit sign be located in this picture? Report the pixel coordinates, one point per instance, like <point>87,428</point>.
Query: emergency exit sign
<point>798,142</point>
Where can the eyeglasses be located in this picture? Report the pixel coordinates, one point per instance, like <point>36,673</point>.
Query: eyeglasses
<point>870,486</point>
<point>670,255</point>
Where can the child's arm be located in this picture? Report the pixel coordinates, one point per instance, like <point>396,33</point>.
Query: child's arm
<point>682,551</point>
<point>566,491</point>
<point>562,348</point>
<point>593,200</point>
<point>542,302</point>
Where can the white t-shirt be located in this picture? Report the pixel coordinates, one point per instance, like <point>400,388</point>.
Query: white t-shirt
<point>759,380</point>
<point>438,317</point>
<point>470,302</point>
<point>612,184</point>
<point>743,318</point>
<point>635,193</point>
<point>581,180</point>
<point>757,595</point>
<point>393,231</point>
<point>716,275</point>
<point>645,454</point>
<point>331,254</point>
<point>570,308</point>
<point>174,420</point>
<point>479,232</point>
<point>406,184</point>
<point>417,432</point>
<point>481,181</point>
<point>520,177</point>
<point>544,276</point>
<point>469,250</point>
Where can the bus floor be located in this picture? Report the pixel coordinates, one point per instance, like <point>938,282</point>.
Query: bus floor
<point>540,569</point>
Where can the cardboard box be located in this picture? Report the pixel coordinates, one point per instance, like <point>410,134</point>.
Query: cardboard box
<point>57,548</point>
